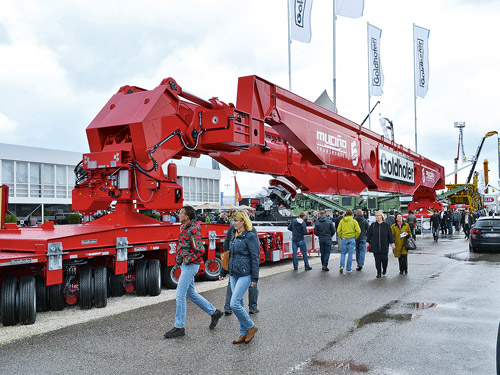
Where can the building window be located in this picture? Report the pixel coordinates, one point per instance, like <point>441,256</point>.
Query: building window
<point>21,185</point>
<point>62,183</point>
<point>35,182</point>
<point>48,181</point>
<point>8,175</point>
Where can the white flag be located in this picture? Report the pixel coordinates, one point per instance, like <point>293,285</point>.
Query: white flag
<point>300,20</point>
<point>376,76</point>
<point>349,8</point>
<point>421,48</point>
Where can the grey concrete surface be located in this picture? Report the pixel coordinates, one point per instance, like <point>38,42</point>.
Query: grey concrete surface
<point>441,318</point>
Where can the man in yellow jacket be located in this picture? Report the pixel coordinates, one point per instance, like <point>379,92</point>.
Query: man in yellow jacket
<point>348,231</point>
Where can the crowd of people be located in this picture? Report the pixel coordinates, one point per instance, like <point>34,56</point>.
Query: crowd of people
<point>355,235</point>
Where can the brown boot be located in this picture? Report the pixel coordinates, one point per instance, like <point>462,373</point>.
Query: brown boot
<point>251,333</point>
<point>240,340</point>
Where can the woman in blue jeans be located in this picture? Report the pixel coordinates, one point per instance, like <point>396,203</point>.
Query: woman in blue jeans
<point>243,272</point>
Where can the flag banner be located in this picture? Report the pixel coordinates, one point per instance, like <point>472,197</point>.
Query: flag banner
<point>376,76</point>
<point>300,20</point>
<point>349,8</point>
<point>239,198</point>
<point>421,47</point>
<point>384,128</point>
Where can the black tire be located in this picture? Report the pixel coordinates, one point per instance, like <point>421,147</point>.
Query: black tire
<point>86,290</point>
<point>56,299</point>
<point>9,302</point>
<point>42,301</point>
<point>141,277</point>
<point>168,277</point>
<point>101,286</point>
<point>27,300</point>
<point>213,267</point>
<point>471,249</point>
<point>154,277</point>
<point>116,285</point>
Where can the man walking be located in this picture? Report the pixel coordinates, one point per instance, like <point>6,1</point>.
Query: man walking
<point>467,222</point>
<point>325,230</point>
<point>361,240</point>
<point>411,219</point>
<point>390,219</point>
<point>299,230</point>
<point>348,231</point>
<point>188,255</point>
<point>435,222</point>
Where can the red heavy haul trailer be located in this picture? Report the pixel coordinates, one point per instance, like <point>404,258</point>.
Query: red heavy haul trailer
<point>270,130</point>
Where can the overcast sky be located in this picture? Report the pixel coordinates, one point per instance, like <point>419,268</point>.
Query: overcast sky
<point>60,62</point>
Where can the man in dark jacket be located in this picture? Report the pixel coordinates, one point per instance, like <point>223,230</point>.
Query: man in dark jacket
<point>467,222</point>
<point>325,230</point>
<point>390,219</point>
<point>435,223</point>
<point>379,238</point>
<point>299,230</point>
<point>339,217</point>
<point>361,240</point>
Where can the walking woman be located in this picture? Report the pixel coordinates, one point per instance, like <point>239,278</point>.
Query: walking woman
<point>378,240</point>
<point>400,231</point>
<point>243,272</point>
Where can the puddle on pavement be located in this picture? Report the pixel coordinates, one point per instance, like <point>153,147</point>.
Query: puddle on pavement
<point>467,256</point>
<point>341,365</point>
<point>384,314</point>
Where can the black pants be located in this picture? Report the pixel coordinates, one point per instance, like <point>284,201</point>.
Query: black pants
<point>466,230</point>
<point>381,260</point>
<point>403,262</point>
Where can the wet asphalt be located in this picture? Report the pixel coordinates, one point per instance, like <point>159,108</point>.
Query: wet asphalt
<point>441,318</point>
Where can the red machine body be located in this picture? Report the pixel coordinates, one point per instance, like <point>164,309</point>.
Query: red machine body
<point>270,130</point>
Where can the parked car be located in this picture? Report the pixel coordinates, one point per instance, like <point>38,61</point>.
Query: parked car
<point>485,234</point>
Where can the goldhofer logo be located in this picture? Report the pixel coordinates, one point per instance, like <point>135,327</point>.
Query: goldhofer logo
<point>394,167</point>
<point>420,54</point>
<point>376,63</point>
<point>300,6</point>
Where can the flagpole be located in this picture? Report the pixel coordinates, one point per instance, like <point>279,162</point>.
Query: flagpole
<point>334,60</point>
<point>415,88</point>
<point>369,83</point>
<point>289,49</point>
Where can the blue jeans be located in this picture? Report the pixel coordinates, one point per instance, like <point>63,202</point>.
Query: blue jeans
<point>185,288</point>
<point>303,249</point>
<point>450,229</point>
<point>360,252</point>
<point>253,294</point>
<point>325,247</point>
<point>240,285</point>
<point>348,245</point>
<point>435,233</point>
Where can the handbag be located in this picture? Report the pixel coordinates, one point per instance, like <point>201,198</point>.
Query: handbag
<point>410,243</point>
<point>225,260</point>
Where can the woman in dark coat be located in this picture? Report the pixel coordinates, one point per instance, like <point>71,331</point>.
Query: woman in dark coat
<point>243,272</point>
<point>378,240</point>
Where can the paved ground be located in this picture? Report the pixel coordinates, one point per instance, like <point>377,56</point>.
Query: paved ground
<point>441,318</point>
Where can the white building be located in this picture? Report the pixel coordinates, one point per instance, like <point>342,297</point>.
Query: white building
<point>41,180</point>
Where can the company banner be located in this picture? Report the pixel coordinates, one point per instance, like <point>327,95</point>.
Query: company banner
<point>300,20</point>
<point>239,198</point>
<point>395,167</point>
<point>349,8</point>
<point>376,76</point>
<point>421,48</point>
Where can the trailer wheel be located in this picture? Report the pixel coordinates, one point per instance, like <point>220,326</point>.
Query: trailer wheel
<point>141,277</point>
<point>9,302</point>
<point>56,299</point>
<point>170,276</point>
<point>27,300</point>
<point>154,277</point>
<point>101,286</point>
<point>86,290</point>
<point>212,269</point>
<point>116,285</point>
<point>42,302</point>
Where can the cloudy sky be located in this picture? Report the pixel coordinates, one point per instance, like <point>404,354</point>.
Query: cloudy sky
<point>60,61</point>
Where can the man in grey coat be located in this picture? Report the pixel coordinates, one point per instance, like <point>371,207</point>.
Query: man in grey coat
<point>325,230</point>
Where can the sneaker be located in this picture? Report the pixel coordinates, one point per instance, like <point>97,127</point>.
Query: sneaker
<point>174,332</point>
<point>359,268</point>
<point>383,273</point>
<point>295,268</point>
<point>349,271</point>
<point>215,318</point>
<point>379,276</point>
<point>228,312</point>
<point>325,268</point>
<point>341,270</point>
<point>308,268</point>
<point>254,311</point>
